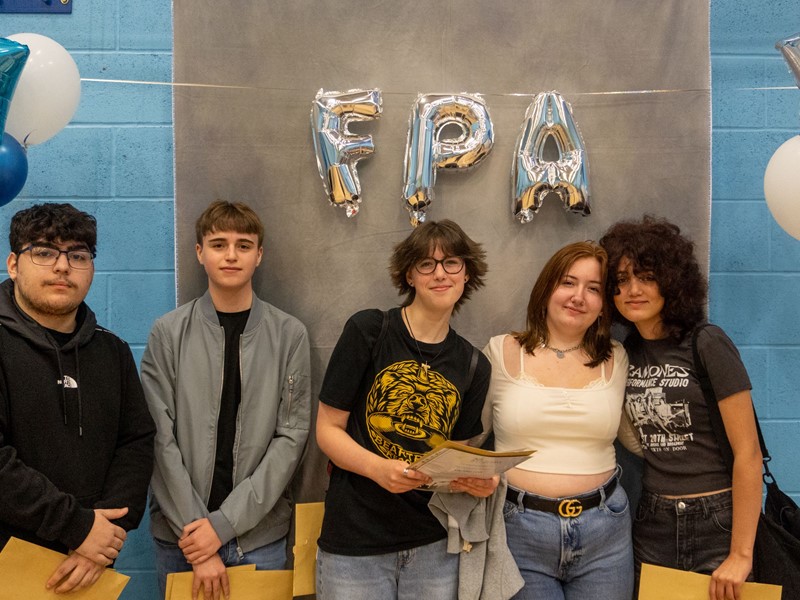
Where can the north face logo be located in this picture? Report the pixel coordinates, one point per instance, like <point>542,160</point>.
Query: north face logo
<point>68,382</point>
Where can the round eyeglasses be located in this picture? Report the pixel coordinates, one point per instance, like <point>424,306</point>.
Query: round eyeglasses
<point>451,265</point>
<point>45,256</point>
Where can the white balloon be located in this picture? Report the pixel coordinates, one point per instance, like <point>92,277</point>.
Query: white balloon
<point>47,93</point>
<point>782,186</point>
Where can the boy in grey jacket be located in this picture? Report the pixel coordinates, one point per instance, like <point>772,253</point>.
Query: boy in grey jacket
<point>226,377</point>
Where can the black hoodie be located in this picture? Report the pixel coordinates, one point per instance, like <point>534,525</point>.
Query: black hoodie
<point>75,432</point>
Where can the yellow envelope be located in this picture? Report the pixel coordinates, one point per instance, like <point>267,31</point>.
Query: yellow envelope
<point>171,577</point>
<point>308,525</point>
<point>246,584</point>
<point>660,583</point>
<point>26,567</point>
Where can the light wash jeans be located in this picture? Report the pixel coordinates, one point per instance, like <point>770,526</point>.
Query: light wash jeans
<point>170,559</point>
<point>589,556</point>
<point>424,573</point>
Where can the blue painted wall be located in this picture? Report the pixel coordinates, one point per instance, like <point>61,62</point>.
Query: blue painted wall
<point>755,265</point>
<point>115,161</point>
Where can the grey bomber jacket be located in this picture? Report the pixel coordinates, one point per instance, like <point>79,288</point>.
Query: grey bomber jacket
<point>182,370</point>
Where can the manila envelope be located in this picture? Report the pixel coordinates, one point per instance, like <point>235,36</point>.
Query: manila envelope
<point>308,525</point>
<point>660,583</point>
<point>246,584</point>
<point>26,567</point>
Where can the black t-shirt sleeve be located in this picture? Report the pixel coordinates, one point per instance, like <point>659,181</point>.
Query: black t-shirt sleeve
<point>469,422</point>
<point>722,362</point>
<point>350,360</point>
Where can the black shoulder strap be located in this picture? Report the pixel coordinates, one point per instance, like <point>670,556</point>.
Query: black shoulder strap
<point>381,335</point>
<point>473,366</point>
<point>717,424</point>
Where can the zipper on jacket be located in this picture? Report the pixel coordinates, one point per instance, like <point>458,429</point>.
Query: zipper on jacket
<point>291,396</point>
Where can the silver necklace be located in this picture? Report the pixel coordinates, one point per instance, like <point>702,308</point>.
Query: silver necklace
<point>559,352</point>
<point>423,364</point>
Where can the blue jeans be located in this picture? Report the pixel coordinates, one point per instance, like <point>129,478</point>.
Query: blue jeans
<point>561,558</point>
<point>690,534</point>
<point>427,572</point>
<point>170,559</point>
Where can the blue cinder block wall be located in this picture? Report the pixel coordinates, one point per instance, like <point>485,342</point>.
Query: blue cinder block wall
<point>755,265</point>
<point>115,160</point>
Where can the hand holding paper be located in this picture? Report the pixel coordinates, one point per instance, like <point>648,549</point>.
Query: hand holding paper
<point>660,583</point>
<point>76,572</point>
<point>210,580</point>
<point>450,461</point>
<point>26,567</point>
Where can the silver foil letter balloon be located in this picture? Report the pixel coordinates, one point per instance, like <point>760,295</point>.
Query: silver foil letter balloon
<point>549,116</point>
<point>790,48</point>
<point>337,150</point>
<point>427,148</point>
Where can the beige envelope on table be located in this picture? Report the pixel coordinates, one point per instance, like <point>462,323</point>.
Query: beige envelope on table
<point>26,567</point>
<point>660,583</point>
<point>308,525</point>
<point>246,584</point>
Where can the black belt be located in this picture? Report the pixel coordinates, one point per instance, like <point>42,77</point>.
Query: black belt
<point>564,507</point>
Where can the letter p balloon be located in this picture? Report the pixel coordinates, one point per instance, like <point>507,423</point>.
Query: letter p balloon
<point>427,148</point>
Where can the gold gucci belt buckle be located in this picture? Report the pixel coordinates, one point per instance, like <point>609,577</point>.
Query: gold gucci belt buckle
<point>570,508</point>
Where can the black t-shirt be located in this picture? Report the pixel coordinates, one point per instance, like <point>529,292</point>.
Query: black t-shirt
<point>222,482</point>
<point>62,338</point>
<point>665,403</point>
<point>398,412</point>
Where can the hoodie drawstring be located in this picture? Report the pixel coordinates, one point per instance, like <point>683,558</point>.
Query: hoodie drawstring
<point>63,385</point>
<point>80,404</point>
<point>63,394</point>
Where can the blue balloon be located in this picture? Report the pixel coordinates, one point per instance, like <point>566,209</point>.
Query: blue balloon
<point>12,59</point>
<point>13,169</point>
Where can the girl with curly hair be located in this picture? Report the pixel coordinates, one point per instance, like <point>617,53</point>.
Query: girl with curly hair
<point>693,515</point>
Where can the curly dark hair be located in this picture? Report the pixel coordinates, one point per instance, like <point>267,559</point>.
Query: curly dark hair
<point>423,242</point>
<point>657,246</point>
<point>597,338</point>
<point>52,223</point>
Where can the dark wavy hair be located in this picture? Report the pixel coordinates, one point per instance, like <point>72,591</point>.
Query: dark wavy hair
<point>52,223</point>
<point>657,246</point>
<point>597,339</point>
<point>229,216</point>
<point>423,241</point>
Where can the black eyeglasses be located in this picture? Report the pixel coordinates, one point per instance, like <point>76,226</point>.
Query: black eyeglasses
<point>451,265</point>
<point>45,256</point>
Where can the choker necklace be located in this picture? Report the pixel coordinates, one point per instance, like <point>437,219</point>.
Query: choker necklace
<point>423,364</point>
<point>559,352</point>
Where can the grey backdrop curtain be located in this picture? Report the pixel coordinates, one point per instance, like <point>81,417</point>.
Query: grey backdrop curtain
<point>247,137</point>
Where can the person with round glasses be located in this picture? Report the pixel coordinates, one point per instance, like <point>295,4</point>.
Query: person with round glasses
<point>398,384</point>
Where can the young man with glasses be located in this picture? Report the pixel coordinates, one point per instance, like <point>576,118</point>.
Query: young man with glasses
<point>76,439</point>
<point>227,380</point>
